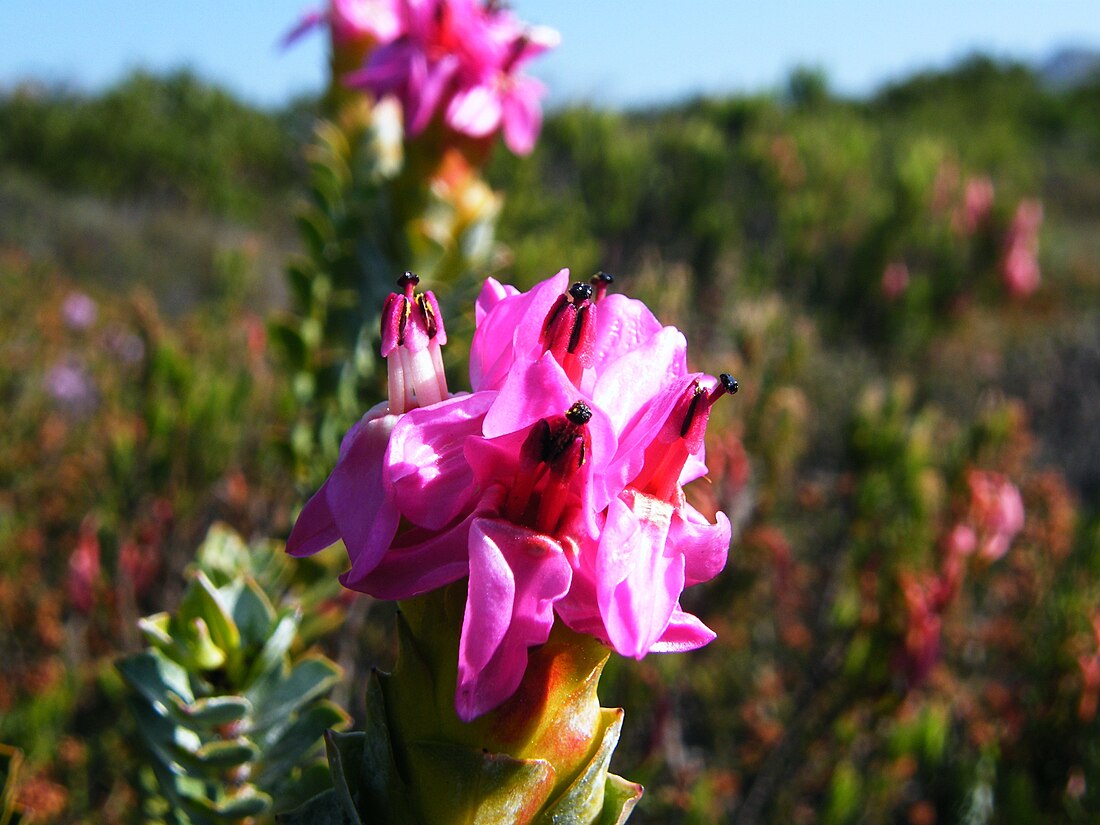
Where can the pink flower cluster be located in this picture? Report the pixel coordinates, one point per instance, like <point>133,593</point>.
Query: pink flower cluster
<point>456,59</point>
<point>994,515</point>
<point>1021,262</point>
<point>555,486</point>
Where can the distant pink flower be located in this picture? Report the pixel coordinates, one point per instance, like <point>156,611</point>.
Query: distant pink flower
<point>977,203</point>
<point>895,280</point>
<point>996,512</point>
<point>463,61</point>
<point>555,486</point>
<point>364,22</point>
<point>84,569</point>
<point>923,626</point>
<point>1021,261</point>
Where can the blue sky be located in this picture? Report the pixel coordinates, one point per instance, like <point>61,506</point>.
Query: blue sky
<point>624,52</point>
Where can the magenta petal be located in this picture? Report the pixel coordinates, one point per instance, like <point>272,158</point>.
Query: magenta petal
<point>516,576</point>
<point>310,20</point>
<point>315,529</point>
<point>492,293</point>
<point>510,332</point>
<point>361,504</point>
<point>639,580</point>
<point>704,546</point>
<point>522,115</point>
<point>474,111</point>
<point>684,632</point>
<point>623,324</point>
<point>431,478</point>
<point>419,561</point>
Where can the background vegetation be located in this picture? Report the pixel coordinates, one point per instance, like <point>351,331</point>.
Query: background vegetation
<point>143,238</point>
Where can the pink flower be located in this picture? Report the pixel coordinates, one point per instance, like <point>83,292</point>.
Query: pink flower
<point>1021,261</point>
<point>923,626</point>
<point>895,280</point>
<point>977,203</point>
<point>78,311</point>
<point>555,486</point>
<point>352,22</point>
<point>463,61</point>
<point>996,512</point>
<point>84,570</point>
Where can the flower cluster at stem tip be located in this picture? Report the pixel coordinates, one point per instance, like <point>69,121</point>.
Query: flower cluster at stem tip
<point>457,59</point>
<point>555,485</point>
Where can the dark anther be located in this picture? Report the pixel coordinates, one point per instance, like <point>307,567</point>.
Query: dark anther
<point>601,277</point>
<point>729,382</point>
<point>580,292</point>
<point>579,414</point>
<point>692,408</point>
<point>408,278</point>
<point>429,315</point>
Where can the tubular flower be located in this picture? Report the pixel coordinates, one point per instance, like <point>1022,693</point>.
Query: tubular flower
<point>554,486</point>
<point>463,61</point>
<point>412,334</point>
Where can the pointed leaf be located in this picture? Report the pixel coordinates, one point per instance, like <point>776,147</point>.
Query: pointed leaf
<point>619,800</point>
<point>252,612</point>
<point>289,750</point>
<point>276,646</point>
<point>216,711</point>
<point>345,755</point>
<point>229,753</point>
<point>156,678</point>
<point>475,787</point>
<point>203,601</point>
<point>583,800</point>
<point>277,699</point>
<point>324,809</point>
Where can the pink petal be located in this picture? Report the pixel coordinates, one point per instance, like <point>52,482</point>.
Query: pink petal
<point>361,503</point>
<point>475,111</point>
<point>516,576</point>
<point>704,546</point>
<point>639,581</point>
<point>510,331</point>
<point>492,293</point>
<point>684,632</point>
<point>426,464</point>
<point>417,562</point>
<point>311,19</point>
<point>522,114</point>
<point>622,325</point>
<point>315,528</point>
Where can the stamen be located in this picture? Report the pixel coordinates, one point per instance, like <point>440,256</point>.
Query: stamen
<point>569,330</point>
<point>601,281</point>
<point>412,332</point>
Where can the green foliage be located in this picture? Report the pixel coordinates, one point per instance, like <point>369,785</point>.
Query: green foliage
<point>142,139</point>
<point>229,714</point>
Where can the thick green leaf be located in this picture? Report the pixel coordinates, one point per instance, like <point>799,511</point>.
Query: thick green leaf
<point>157,678</point>
<point>277,698</point>
<point>583,801</point>
<point>381,786</point>
<point>203,601</point>
<point>456,784</point>
<point>229,753</point>
<point>323,809</point>
<point>345,756</point>
<point>620,797</point>
<point>288,750</point>
<point>216,711</point>
<point>275,648</point>
<point>252,612</point>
